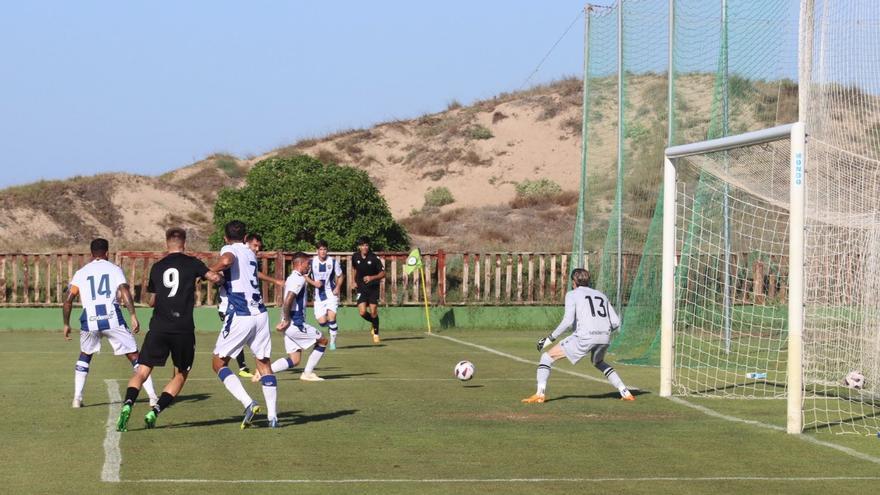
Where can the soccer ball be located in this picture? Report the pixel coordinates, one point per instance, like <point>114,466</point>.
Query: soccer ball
<point>464,370</point>
<point>855,380</point>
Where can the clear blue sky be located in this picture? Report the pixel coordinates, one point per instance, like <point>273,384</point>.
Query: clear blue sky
<point>146,87</point>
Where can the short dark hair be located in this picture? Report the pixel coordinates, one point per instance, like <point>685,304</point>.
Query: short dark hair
<point>580,277</point>
<point>235,230</point>
<point>321,244</point>
<point>362,240</point>
<point>175,233</point>
<point>299,255</point>
<point>253,237</point>
<point>99,246</point>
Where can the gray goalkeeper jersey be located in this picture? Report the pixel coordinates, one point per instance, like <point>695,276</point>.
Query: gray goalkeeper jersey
<point>591,314</point>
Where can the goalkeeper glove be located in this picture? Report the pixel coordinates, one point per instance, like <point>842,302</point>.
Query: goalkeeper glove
<point>545,342</point>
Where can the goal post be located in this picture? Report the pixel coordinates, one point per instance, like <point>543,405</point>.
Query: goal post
<point>733,221</point>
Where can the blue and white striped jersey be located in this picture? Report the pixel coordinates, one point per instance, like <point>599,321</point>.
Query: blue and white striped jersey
<point>98,283</point>
<point>241,283</point>
<point>295,283</point>
<point>325,271</point>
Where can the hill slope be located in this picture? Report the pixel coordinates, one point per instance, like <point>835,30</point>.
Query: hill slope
<point>478,152</point>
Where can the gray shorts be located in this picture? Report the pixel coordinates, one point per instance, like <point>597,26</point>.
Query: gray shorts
<point>575,350</point>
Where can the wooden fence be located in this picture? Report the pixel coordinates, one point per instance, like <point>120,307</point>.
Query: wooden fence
<point>469,278</point>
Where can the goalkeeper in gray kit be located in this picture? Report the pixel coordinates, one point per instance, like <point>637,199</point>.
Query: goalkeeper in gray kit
<point>594,319</point>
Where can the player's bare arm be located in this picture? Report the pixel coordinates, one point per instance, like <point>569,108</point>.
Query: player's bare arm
<point>339,280</point>
<point>67,307</point>
<point>214,277</point>
<point>226,260</point>
<point>285,312</point>
<point>152,302</point>
<point>313,282</point>
<point>266,278</point>
<point>123,293</point>
<point>371,278</point>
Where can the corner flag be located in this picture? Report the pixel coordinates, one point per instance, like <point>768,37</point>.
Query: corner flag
<point>413,263</point>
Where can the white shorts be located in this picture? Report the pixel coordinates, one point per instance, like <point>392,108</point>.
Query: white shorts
<point>121,340</point>
<point>322,307</point>
<point>300,338</point>
<point>575,350</point>
<point>239,331</point>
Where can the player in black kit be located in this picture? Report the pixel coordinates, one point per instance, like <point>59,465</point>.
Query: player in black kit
<point>172,330</point>
<point>368,272</point>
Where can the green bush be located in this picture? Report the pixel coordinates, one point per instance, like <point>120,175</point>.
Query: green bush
<point>437,197</point>
<point>229,166</point>
<point>294,201</point>
<point>479,132</point>
<point>537,188</point>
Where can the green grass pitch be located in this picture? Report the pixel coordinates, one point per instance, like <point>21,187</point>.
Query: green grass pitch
<point>392,419</point>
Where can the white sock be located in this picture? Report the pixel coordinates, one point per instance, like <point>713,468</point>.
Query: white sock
<point>544,368</point>
<point>233,384</point>
<point>615,380</point>
<point>282,364</point>
<point>314,357</point>
<point>148,384</point>
<point>270,393</point>
<point>333,328</point>
<point>79,378</point>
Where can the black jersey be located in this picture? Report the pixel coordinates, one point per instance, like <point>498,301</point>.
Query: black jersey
<point>173,280</point>
<point>366,265</point>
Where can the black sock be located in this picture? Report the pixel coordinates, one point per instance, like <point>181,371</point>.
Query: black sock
<point>164,401</point>
<point>376,323</point>
<point>368,317</point>
<point>240,359</point>
<point>131,395</point>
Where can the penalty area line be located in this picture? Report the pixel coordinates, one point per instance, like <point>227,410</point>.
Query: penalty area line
<point>521,480</point>
<point>112,454</point>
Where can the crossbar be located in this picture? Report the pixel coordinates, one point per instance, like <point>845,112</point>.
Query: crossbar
<point>727,143</point>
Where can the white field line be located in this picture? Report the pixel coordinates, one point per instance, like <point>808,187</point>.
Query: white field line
<point>517,358</point>
<point>704,410</point>
<point>392,379</point>
<point>112,455</point>
<point>520,480</point>
<point>806,438</point>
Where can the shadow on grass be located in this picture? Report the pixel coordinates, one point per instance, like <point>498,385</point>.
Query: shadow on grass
<point>607,395</point>
<point>392,339</point>
<point>342,376</point>
<point>347,347</point>
<point>285,418</point>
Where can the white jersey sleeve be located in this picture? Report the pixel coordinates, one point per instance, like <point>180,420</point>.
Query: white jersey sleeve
<point>567,318</point>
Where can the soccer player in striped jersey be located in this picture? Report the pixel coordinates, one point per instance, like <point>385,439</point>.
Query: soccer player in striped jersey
<point>255,242</point>
<point>594,319</point>
<point>101,285</point>
<point>247,323</point>
<point>326,276</point>
<point>299,335</point>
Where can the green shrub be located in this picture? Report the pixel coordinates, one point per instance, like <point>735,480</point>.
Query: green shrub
<point>537,188</point>
<point>294,201</point>
<point>229,166</point>
<point>479,132</point>
<point>437,197</point>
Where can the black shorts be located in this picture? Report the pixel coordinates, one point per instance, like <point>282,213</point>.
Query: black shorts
<point>368,294</point>
<point>158,345</point>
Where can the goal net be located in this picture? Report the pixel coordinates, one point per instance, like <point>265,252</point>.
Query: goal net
<point>754,317</point>
<point>730,286</point>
